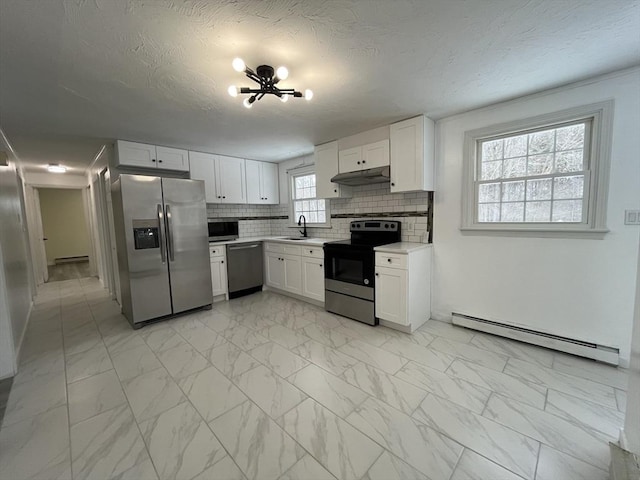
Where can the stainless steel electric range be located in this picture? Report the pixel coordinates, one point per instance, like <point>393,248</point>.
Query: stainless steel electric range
<point>349,278</point>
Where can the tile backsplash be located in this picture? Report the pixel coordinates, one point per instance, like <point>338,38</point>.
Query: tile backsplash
<point>414,210</point>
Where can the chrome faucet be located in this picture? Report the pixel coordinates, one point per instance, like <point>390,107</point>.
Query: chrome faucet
<point>302,218</point>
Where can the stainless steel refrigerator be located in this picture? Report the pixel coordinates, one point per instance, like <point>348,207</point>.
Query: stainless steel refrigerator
<point>163,248</point>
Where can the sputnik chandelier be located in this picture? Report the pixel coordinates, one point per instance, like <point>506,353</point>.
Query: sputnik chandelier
<point>267,78</point>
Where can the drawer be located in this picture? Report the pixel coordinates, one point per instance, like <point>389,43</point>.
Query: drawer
<point>391,260</point>
<point>315,252</point>
<point>217,251</point>
<point>292,249</point>
<point>274,247</point>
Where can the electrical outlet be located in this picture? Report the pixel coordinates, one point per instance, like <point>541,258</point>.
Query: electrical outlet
<point>632,217</point>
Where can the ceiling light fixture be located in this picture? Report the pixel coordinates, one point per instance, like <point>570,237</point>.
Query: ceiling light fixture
<point>267,78</point>
<point>56,168</point>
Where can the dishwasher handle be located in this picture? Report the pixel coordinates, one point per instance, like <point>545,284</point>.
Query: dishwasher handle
<point>243,247</point>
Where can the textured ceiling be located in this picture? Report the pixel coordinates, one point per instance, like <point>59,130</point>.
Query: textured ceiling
<point>77,72</point>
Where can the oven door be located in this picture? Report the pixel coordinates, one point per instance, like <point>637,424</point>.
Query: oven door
<point>349,264</point>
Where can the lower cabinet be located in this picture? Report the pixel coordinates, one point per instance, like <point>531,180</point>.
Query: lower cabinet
<point>217,257</point>
<point>295,269</point>
<point>313,278</point>
<point>403,288</point>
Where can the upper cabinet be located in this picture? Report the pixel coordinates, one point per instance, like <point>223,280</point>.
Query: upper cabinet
<point>224,177</point>
<point>412,155</point>
<point>141,155</point>
<point>326,162</point>
<point>262,182</point>
<point>362,157</point>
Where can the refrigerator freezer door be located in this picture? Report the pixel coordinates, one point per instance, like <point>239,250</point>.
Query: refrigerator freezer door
<point>148,275</point>
<point>188,241</point>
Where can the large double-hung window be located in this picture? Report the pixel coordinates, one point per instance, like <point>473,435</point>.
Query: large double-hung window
<point>549,174</point>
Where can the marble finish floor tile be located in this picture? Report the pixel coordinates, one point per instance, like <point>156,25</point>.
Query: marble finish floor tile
<point>375,336</point>
<point>325,357</point>
<point>317,430</point>
<point>454,389</point>
<point>254,321</point>
<point>182,360</point>
<point>464,351</point>
<point>152,393</point>
<point>330,391</point>
<point>199,336</point>
<point>561,434</point>
<point>131,363</point>
<point>94,395</point>
<point>307,468</point>
<point>507,385</point>
<point>591,415</point>
<point>122,342</point>
<point>34,397</point>
<point>390,467</point>
<point>261,449</point>
<point>621,400</point>
<point>374,356</point>
<point>326,335</point>
<point>553,465</point>
<point>107,445</point>
<point>513,348</point>
<point>230,360</point>
<point>86,364</point>
<point>393,391</point>
<point>472,466</point>
<point>243,337</point>
<point>180,443</point>
<point>420,446</point>
<point>418,353</point>
<point>37,447</point>
<point>284,336</point>
<point>42,366</point>
<point>592,370</point>
<point>447,330</point>
<point>211,393</point>
<point>502,445</point>
<point>278,358</point>
<point>160,337</point>
<point>224,469</point>
<point>270,392</point>
<point>550,378</point>
<point>291,320</point>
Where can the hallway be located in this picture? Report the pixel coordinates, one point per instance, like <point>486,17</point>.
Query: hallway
<point>68,271</point>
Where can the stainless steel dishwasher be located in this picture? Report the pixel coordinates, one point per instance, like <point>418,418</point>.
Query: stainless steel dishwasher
<point>244,268</point>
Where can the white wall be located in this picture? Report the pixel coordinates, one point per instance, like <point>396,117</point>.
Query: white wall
<point>46,179</point>
<point>15,291</point>
<point>576,288</point>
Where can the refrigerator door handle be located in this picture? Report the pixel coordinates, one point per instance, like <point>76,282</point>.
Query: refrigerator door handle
<point>169,232</point>
<point>163,254</point>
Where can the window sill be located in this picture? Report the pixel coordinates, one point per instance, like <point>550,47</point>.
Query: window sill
<point>536,232</point>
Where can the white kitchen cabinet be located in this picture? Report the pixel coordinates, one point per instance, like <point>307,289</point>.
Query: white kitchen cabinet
<point>217,257</point>
<point>292,273</point>
<point>262,182</point>
<point>224,177</point>
<point>142,155</point>
<point>326,167</point>
<point>313,278</point>
<point>274,271</point>
<point>403,286</point>
<point>366,156</point>
<point>412,155</point>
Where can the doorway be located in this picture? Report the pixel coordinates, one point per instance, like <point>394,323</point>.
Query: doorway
<point>65,233</point>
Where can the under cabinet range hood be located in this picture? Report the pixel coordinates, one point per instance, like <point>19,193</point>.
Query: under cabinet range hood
<point>364,177</point>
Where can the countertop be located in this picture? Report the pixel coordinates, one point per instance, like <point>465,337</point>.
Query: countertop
<point>402,247</point>
<point>315,242</point>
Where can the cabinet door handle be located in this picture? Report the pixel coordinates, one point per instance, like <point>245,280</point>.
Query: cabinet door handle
<point>219,196</point>
<point>320,265</point>
<point>393,184</point>
<point>358,163</point>
<point>222,261</point>
<point>389,260</point>
<point>377,274</point>
<point>159,161</point>
<point>153,159</point>
<point>364,161</point>
<point>336,190</point>
<point>224,196</point>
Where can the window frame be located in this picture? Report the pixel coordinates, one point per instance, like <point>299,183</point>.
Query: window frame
<point>300,172</point>
<point>596,172</point>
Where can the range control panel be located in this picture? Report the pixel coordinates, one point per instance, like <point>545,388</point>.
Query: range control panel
<point>375,226</point>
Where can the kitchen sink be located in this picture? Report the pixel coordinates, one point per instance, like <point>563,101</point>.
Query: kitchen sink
<point>296,238</point>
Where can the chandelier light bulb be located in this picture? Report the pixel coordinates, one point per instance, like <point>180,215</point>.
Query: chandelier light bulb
<point>282,73</point>
<point>233,91</point>
<point>238,64</point>
<point>247,103</point>
<point>284,97</point>
<point>308,94</point>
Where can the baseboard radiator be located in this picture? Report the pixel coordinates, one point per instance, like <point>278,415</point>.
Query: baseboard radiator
<point>601,353</point>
